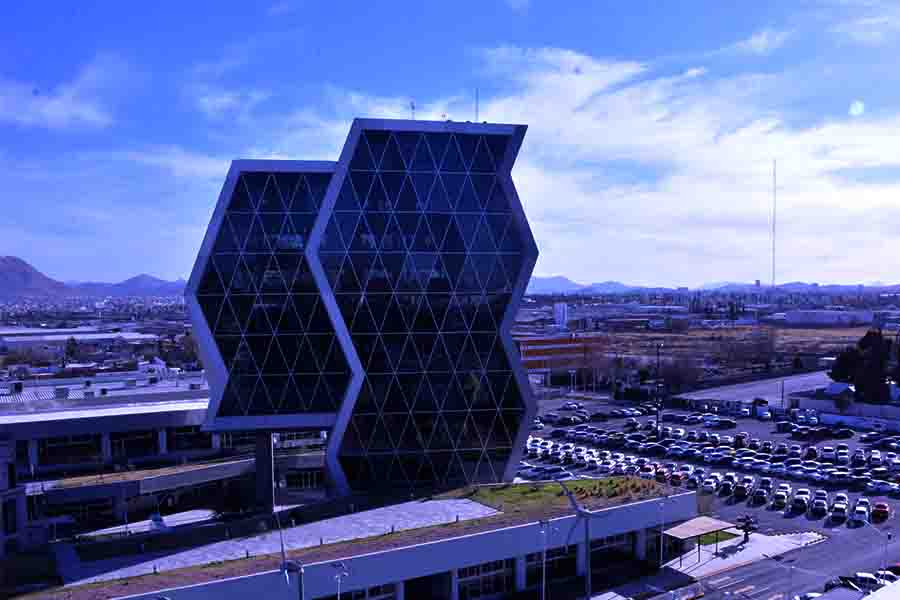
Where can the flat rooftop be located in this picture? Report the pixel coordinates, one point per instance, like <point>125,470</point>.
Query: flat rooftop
<point>128,336</point>
<point>486,508</point>
<point>6,331</point>
<point>69,414</point>
<point>43,397</point>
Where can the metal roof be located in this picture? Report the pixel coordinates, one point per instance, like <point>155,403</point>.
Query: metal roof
<point>697,527</point>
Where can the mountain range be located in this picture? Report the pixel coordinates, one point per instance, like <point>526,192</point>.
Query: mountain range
<point>20,279</point>
<point>559,285</point>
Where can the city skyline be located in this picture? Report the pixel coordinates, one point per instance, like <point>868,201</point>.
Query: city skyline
<point>652,129</point>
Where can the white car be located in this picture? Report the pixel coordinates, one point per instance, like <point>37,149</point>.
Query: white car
<point>710,485</point>
<point>765,416</point>
<point>860,514</point>
<point>828,454</point>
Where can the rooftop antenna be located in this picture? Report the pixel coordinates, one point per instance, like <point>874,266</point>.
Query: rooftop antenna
<point>476,105</point>
<point>774,214</point>
<point>412,109</point>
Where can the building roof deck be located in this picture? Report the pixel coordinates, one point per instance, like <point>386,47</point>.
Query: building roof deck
<point>42,398</point>
<point>518,504</point>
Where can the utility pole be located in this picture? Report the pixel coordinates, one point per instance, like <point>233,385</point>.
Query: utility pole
<point>658,395</point>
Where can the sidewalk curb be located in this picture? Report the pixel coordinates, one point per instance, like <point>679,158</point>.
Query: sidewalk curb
<point>727,568</point>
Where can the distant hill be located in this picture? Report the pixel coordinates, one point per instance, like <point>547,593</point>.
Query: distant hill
<point>20,279</point>
<point>140,285</point>
<point>553,285</point>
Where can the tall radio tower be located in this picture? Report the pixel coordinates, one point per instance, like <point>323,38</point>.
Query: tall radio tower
<point>774,214</point>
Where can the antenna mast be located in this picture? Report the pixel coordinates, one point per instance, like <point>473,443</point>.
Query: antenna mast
<point>476,105</point>
<point>774,214</point>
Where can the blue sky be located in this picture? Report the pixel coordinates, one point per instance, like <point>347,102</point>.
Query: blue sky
<point>652,125</point>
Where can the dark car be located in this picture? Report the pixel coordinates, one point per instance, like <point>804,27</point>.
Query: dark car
<point>558,433</point>
<point>784,426</point>
<point>599,417</point>
<point>843,433</point>
<point>726,424</point>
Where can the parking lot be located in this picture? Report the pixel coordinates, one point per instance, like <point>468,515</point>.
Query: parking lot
<point>616,450</point>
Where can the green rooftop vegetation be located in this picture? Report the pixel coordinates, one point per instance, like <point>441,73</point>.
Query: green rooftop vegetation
<point>518,504</point>
<point>541,497</point>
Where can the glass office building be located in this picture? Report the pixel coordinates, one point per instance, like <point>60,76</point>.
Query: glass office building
<point>373,297</point>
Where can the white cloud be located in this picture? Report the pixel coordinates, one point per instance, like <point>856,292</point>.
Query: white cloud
<point>518,5</point>
<point>874,29</point>
<point>78,102</point>
<point>857,108</point>
<point>216,102</point>
<point>762,42</point>
<point>179,162</point>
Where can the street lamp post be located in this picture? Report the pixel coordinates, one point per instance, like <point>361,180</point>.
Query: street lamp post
<point>342,572</point>
<point>658,395</point>
<point>662,526</point>
<point>545,528</point>
<point>887,539</point>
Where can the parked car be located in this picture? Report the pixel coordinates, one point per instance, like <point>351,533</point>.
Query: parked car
<point>880,511</point>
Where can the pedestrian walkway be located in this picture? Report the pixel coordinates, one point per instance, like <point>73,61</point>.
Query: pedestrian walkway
<point>735,553</point>
<point>678,579</point>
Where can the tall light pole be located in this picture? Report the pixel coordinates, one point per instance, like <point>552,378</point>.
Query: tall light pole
<point>342,572</point>
<point>887,538</point>
<point>545,528</point>
<point>662,525</point>
<point>659,347</point>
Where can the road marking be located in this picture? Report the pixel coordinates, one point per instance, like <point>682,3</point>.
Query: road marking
<point>761,590</point>
<point>744,589</point>
<point>720,580</point>
<point>775,597</point>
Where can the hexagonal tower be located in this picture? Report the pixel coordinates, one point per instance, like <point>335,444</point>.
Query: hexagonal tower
<point>374,298</point>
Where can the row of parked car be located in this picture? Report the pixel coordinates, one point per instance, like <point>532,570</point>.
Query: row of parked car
<point>727,485</point>
<point>835,466</point>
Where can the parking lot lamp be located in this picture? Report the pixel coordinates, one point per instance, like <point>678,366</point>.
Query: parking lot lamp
<point>545,528</point>
<point>887,539</point>
<point>659,347</point>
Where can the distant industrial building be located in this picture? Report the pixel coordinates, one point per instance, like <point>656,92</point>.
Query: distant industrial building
<point>561,315</point>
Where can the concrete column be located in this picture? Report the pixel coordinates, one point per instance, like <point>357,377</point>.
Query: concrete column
<point>106,447</point>
<point>454,584</point>
<point>217,441</point>
<point>265,472</point>
<point>33,456</point>
<point>400,590</point>
<point>640,544</point>
<point>521,570</point>
<point>581,555</point>
<point>162,441</point>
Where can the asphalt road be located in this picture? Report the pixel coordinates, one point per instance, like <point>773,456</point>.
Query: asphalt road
<point>812,566</point>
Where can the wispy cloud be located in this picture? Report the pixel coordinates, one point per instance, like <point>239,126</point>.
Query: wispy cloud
<point>518,5</point>
<point>217,102</point>
<point>178,162</point>
<point>79,102</point>
<point>761,43</point>
<point>857,108</point>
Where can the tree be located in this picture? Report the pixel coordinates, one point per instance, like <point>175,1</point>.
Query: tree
<point>846,364</point>
<point>865,366</point>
